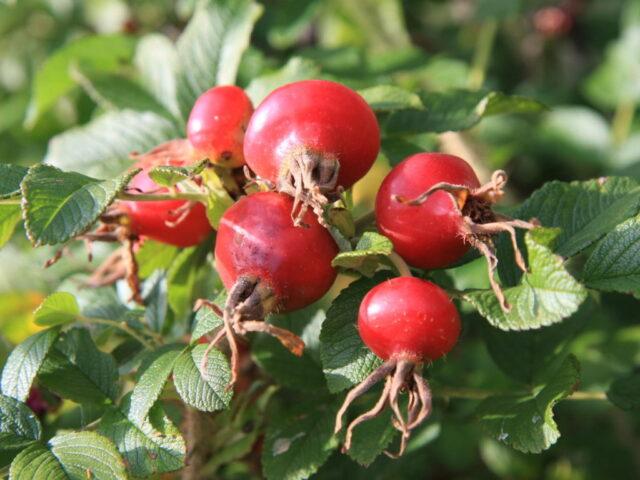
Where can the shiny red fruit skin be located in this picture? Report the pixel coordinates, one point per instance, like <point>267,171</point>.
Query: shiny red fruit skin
<point>148,219</point>
<point>217,123</point>
<point>257,238</point>
<point>427,235</point>
<point>408,318</point>
<point>321,115</point>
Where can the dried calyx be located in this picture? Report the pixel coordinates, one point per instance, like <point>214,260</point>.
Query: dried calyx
<point>311,179</point>
<point>481,223</point>
<point>399,375</point>
<point>250,300</point>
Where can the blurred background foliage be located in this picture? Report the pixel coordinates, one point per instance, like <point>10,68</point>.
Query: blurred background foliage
<point>580,57</point>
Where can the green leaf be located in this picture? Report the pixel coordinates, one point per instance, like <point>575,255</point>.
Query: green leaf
<point>387,98</point>
<point>77,370</point>
<point>57,309</point>
<point>456,110</point>
<point>397,149</point>
<point>297,445</point>
<point>59,205</point>
<point>625,392</point>
<point>182,277</point>
<point>10,178</point>
<point>614,264</point>
<point>525,422</point>
<point>207,391</point>
<point>19,426</point>
<point>206,321</point>
<point>10,216</point>
<point>218,199</point>
<point>101,148</point>
<point>149,446</point>
<point>612,83</point>
<point>525,356</point>
<point>157,61</point>
<point>300,373</point>
<point>154,256</point>
<point>368,254</point>
<point>546,294</point>
<point>104,53</point>
<point>585,211</point>
<point>24,363</point>
<point>70,456</point>
<point>295,69</point>
<point>346,361</point>
<point>116,92</point>
<point>211,47</point>
<point>371,438</point>
<point>152,376</point>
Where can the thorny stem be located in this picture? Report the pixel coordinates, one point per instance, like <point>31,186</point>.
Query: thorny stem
<point>482,54</point>
<point>123,326</point>
<point>364,221</point>
<point>622,120</point>
<point>466,393</point>
<point>400,265</point>
<point>159,197</point>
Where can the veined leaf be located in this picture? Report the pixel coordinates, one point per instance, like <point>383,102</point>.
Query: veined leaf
<point>24,363</point>
<point>150,446</point>
<point>367,257</point>
<point>526,422</point>
<point>105,53</point>
<point>70,456</point>
<point>59,205</point>
<point>19,426</point>
<point>546,294</point>
<point>57,309</point>
<point>346,361</point>
<point>10,178</point>
<point>101,148</point>
<point>295,69</point>
<point>204,390</point>
<point>210,48</point>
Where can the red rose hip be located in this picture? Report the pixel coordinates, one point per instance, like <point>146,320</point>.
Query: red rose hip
<point>174,222</point>
<point>408,318</point>
<point>310,138</point>
<point>406,321</point>
<point>269,265</point>
<point>217,123</point>
<point>433,209</point>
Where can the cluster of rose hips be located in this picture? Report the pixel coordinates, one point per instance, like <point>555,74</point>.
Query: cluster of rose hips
<point>306,143</point>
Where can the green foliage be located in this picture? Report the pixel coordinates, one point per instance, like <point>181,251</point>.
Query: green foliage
<point>210,49</point>
<point>57,309</point>
<point>547,293</point>
<point>346,361</point>
<point>59,206</point>
<point>367,255</point>
<point>54,79</point>
<point>19,426</point>
<point>149,446</point>
<point>205,389</point>
<point>525,422</point>
<point>138,401</point>
<point>24,363</point>
<point>296,446</point>
<point>70,456</point>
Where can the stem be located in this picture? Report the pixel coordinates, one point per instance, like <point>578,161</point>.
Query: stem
<point>400,265</point>
<point>146,197</point>
<point>482,54</point>
<point>119,325</point>
<point>364,221</point>
<point>10,201</point>
<point>622,120</point>
<point>481,394</point>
